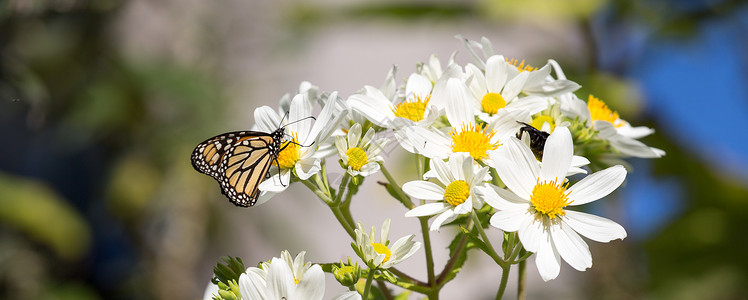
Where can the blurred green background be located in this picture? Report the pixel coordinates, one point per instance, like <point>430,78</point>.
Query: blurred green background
<point>101,103</point>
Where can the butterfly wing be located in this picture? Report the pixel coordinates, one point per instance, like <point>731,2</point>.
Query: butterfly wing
<point>239,161</point>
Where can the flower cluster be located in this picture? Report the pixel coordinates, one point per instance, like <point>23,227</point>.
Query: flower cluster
<point>495,143</point>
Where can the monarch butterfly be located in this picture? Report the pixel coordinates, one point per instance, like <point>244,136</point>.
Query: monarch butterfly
<point>239,161</point>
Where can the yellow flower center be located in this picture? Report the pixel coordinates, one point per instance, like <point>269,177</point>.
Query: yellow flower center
<point>600,111</point>
<point>550,198</point>
<point>356,158</point>
<point>476,141</point>
<point>290,155</point>
<point>492,102</point>
<point>540,120</point>
<point>382,249</point>
<point>520,65</point>
<point>457,192</point>
<point>412,110</point>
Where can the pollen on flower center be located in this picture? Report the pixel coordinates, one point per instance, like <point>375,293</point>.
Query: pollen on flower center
<point>382,249</point>
<point>550,198</point>
<point>290,154</point>
<point>457,192</point>
<point>412,110</point>
<point>540,120</point>
<point>520,65</point>
<point>476,141</point>
<point>356,158</point>
<point>492,102</point>
<point>600,111</point>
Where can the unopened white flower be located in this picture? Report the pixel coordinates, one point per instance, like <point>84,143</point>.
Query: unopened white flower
<point>283,278</point>
<point>456,194</point>
<point>360,154</point>
<point>536,200</point>
<point>380,254</point>
<point>298,155</point>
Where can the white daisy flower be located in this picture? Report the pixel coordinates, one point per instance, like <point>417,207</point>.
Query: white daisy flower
<point>538,83</point>
<point>456,194</point>
<point>464,135</point>
<point>360,154</point>
<point>298,156</point>
<point>283,278</point>
<point>384,110</point>
<point>536,201</point>
<point>500,88</point>
<point>379,254</point>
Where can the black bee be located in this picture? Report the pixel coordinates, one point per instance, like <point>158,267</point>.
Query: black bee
<point>537,138</point>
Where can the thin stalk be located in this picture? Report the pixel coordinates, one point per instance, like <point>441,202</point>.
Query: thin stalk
<point>492,252</point>
<point>427,248</point>
<point>322,196</point>
<point>521,278</point>
<point>367,287</point>
<point>504,279</point>
<point>403,197</point>
<point>342,188</point>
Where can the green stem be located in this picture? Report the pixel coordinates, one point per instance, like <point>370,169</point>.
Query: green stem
<point>342,188</point>
<point>521,277</point>
<point>427,248</point>
<point>456,255</point>
<point>492,252</point>
<point>504,279</point>
<point>317,191</point>
<point>343,221</point>
<point>367,287</point>
<point>403,197</point>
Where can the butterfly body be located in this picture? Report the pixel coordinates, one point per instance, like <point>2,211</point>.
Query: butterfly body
<point>239,161</point>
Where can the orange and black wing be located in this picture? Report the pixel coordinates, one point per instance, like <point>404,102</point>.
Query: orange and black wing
<point>239,161</point>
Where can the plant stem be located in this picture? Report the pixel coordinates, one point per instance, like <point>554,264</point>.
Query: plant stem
<point>492,252</point>
<point>403,197</point>
<point>367,287</point>
<point>427,248</point>
<point>342,188</point>
<point>521,277</point>
<point>322,196</point>
<point>504,279</point>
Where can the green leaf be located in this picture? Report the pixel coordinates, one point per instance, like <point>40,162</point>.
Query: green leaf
<point>231,269</point>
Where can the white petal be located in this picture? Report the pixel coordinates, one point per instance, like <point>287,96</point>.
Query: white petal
<point>548,261</point>
<point>496,73</point>
<point>557,155</point>
<point>527,165</point>
<point>532,234</point>
<point>428,209</point>
<point>376,110</point>
<point>509,220</point>
<point>211,290</point>
<point>464,207</point>
<point>276,183</point>
<point>530,104</point>
<point>571,247</point>
<point>514,86</point>
<point>514,174</point>
<point>300,108</point>
<point>443,171</point>
<point>252,286</point>
<point>417,86</point>
<point>499,198</point>
<point>266,119</point>
<point>593,227</point>
<point>458,113</point>
<point>423,190</point>
<point>312,286</point>
<point>445,217</point>
<point>351,295</point>
<point>429,143</point>
<point>635,132</point>
<point>305,168</point>
<point>597,185</point>
<point>280,280</point>
<point>354,134</point>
